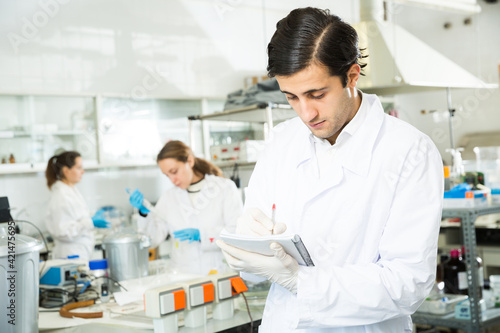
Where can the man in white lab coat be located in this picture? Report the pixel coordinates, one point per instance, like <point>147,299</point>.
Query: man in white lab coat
<point>363,189</point>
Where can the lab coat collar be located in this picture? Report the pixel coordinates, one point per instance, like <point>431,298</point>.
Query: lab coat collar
<point>358,145</point>
<point>357,153</point>
<point>183,196</point>
<point>303,143</point>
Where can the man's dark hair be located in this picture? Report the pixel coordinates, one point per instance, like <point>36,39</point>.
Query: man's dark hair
<point>311,35</point>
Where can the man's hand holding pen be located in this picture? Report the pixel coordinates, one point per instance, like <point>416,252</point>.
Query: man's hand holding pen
<point>280,268</point>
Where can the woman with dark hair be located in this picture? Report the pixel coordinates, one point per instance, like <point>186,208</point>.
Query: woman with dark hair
<point>68,217</point>
<point>194,211</point>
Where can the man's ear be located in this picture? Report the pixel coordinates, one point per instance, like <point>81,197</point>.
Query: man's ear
<point>353,75</point>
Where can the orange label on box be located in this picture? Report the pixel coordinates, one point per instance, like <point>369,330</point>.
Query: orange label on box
<point>238,286</point>
<point>446,171</point>
<point>179,299</point>
<point>208,292</point>
<point>469,195</point>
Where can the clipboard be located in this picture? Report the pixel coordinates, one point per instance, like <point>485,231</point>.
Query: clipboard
<point>292,243</point>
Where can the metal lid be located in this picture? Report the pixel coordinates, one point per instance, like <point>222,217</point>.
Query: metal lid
<point>124,236</point>
<point>23,243</point>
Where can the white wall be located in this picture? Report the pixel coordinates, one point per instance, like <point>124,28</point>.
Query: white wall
<point>194,48</point>
<point>197,48</point>
<point>475,47</point>
<point>170,49</point>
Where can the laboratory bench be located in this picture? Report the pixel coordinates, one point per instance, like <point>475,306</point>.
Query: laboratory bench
<point>125,311</point>
<point>136,321</point>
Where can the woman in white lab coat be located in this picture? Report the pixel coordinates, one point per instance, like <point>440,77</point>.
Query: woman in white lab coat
<point>68,217</point>
<point>194,212</point>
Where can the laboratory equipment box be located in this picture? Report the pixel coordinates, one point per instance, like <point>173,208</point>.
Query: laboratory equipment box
<point>441,303</point>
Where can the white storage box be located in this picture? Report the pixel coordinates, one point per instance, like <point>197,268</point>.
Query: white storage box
<point>441,304</point>
<point>462,309</point>
<point>468,199</point>
<point>495,196</point>
<point>224,153</point>
<point>244,151</point>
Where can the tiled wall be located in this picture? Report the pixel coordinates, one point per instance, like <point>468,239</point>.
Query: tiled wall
<point>191,48</point>
<point>168,49</point>
<point>175,48</point>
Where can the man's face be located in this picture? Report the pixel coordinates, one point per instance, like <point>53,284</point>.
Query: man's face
<point>320,100</point>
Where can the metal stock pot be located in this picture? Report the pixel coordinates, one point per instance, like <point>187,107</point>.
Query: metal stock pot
<point>128,254</point>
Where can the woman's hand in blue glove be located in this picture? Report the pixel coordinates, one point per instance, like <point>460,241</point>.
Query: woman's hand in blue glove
<point>136,199</point>
<point>191,234</point>
<point>99,220</point>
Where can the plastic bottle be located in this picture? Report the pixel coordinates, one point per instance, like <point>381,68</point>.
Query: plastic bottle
<point>455,274</point>
<point>99,269</point>
<point>446,170</point>
<point>480,273</point>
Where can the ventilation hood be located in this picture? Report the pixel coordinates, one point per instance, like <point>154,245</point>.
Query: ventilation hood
<point>399,62</point>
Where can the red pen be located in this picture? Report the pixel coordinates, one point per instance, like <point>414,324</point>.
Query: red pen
<point>274,215</point>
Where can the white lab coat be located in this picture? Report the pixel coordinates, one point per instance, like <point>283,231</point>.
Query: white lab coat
<point>217,206</point>
<point>68,221</point>
<point>371,224</point>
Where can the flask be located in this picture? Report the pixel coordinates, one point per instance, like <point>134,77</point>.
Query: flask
<point>480,273</point>
<point>455,274</point>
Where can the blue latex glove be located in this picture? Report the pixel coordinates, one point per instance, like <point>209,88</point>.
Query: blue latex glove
<point>136,199</point>
<point>99,220</point>
<point>462,187</point>
<point>191,234</point>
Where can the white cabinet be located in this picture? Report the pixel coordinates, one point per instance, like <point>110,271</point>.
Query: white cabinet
<point>33,128</point>
<point>134,131</point>
<point>108,131</point>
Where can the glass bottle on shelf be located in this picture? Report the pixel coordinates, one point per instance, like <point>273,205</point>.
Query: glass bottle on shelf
<point>12,159</point>
<point>455,274</point>
<point>457,171</point>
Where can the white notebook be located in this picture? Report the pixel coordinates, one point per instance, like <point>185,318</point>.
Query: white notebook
<point>260,244</point>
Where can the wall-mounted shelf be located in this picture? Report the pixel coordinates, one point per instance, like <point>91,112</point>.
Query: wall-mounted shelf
<point>114,131</point>
<point>27,168</point>
<point>258,113</point>
<point>23,134</point>
<point>230,164</point>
